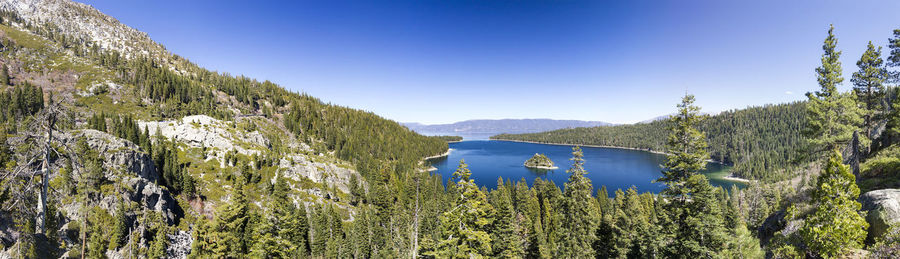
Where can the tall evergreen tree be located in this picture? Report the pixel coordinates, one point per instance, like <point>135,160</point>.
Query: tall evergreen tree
<point>832,116</point>
<point>687,151</point>
<point>694,219</point>
<point>120,231</point>
<point>227,235</point>
<point>869,85</point>
<point>506,235</point>
<point>744,245</point>
<point>465,226</point>
<point>893,59</point>
<point>160,242</point>
<point>835,227</point>
<point>284,231</point>
<point>580,212</point>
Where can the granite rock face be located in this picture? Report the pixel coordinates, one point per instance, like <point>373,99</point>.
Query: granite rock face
<point>131,169</point>
<point>883,208</point>
<point>201,131</point>
<point>298,166</point>
<point>118,154</point>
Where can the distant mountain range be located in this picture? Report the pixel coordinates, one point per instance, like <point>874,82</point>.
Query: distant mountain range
<point>513,126</point>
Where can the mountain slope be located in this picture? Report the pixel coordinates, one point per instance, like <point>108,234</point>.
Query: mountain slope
<point>74,23</point>
<point>202,134</point>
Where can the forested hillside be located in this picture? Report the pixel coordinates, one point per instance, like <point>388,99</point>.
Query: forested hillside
<point>114,148</point>
<point>260,139</point>
<point>759,141</point>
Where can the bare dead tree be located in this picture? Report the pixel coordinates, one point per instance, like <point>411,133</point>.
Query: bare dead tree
<point>39,134</point>
<point>415,227</point>
<point>50,119</point>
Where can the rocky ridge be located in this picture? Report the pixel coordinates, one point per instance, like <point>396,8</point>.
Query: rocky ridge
<point>86,23</point>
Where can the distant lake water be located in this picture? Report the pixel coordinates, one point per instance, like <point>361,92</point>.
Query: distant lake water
<point>612,167</point>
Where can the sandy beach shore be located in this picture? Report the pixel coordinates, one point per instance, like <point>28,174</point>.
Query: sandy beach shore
<point>441,155</point>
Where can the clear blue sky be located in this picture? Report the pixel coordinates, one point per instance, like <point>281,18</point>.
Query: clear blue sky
<point>444,61</point>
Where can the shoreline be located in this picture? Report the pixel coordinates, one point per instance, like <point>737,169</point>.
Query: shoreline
<point>544,167</point>
<point>572,145</point>
<point>733,178</point>
<point>599,146</point>
<point>730,177</point>
<point>432,168</point>
<point>438,155</point>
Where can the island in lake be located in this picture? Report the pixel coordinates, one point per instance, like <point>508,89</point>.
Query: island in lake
<point>540,161</point>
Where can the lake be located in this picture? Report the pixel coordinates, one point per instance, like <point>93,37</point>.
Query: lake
<point>615,168</point>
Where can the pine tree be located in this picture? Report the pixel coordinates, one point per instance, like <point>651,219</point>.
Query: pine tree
<point>832,116</point>
<point>580,211</point>
<point>319,231</point>
<point>603,201</point>
<point>744,245</point>
<point>835,227</point>
<point>687,151</point>
<point>893,59</point>
<point>465,226</point>
<point>283,233</point>
<point>4,76</point>
<point>869,84</point>
<point>695,221</point>
<point>6,154</point>
<point>231,224</point>
<point>97,242</point>
<point>207,241</point>
<point>645,241</point>
<point>360,238</point>
<point>614,239</point>
<point>160,243</point>
<point>120,231</point>
<point>529,207</point>
<point>507,243</point>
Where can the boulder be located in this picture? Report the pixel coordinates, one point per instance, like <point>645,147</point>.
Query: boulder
<point>883,208</point>
<point>179,245</point>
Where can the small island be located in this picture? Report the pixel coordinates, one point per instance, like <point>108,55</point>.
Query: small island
<point>540,161</point>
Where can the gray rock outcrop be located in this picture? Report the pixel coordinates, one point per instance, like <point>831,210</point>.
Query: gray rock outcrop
<point>883,208</point>
<point>297,166</point>
<point>204,131</point>
<point>117,153</point>
<point>133,170</point>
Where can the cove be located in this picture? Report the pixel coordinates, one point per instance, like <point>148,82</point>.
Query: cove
<point>615,168</point>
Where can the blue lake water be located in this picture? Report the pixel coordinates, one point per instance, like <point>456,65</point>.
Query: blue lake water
<point>612,167</point>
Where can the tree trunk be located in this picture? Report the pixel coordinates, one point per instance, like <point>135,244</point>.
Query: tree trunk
<point>415,233</point>
<point>854,156</point>
<point>45,175</point>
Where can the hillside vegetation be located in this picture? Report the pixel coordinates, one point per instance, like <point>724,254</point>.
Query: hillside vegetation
<point>114,148</point>
<point>761,142</point>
